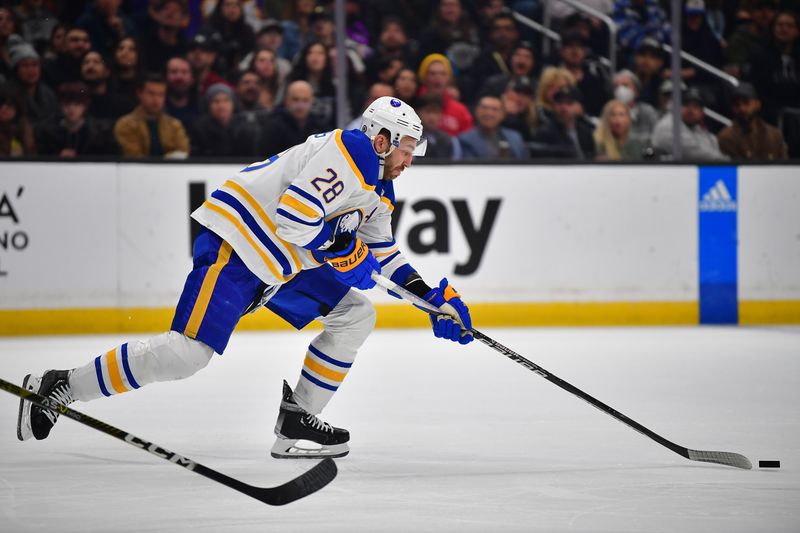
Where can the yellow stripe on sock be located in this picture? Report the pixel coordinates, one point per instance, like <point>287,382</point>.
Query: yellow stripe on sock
<point>324,371</point>
<point>113,372</point>
<point>206,289</point>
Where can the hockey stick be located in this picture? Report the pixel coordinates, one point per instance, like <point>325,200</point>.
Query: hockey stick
<point>723,458</point>
<point>307,483</point>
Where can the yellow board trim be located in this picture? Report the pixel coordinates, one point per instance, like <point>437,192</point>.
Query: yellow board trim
<point>206,290</point>
<point>352,163</point>
<point>113,372</point>
<point>759,312</point>
<point>15,322</point>
<point>263,215</point>
<point>232,219</point>
<point>323,371</point>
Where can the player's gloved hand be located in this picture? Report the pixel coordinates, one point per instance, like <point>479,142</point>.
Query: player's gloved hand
<point>455,327</point>
<point>352,260</point>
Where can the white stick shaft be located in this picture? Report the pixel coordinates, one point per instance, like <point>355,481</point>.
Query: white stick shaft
<point>389,285</point>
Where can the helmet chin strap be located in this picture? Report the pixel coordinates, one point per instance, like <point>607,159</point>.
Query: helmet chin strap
<point>382,156</point>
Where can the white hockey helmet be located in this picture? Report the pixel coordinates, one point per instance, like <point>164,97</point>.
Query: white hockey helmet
<point>398,118</point>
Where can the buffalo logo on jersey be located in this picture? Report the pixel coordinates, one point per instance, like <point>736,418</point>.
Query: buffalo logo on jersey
<point>347,222</point>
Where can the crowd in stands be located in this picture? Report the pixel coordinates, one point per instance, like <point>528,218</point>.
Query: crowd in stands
<point>250,78</point>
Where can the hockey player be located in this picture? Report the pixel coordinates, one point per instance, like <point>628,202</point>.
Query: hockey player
<point>295,233</point>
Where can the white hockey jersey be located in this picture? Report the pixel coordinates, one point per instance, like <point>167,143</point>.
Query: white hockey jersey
<point>274,212</point>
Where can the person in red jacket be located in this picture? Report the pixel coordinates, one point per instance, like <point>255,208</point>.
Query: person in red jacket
<point>435,74</point>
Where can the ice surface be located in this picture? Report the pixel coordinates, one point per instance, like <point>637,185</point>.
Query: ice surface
<point>445,438</point>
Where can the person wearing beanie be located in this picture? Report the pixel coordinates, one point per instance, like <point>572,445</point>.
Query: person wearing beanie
<point>218,132</point>
<point>435,76</point>
<point>26,80</point>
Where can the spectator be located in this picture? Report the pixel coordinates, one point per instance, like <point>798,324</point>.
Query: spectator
<point>376,90</point>
<point>250,109</point>
<point>106,25</point>
<point>202,54</point>
<point>36,23</point>
<point>627,89</point>
<point>220,133</point>
<point>696,141</point>
<point>296,27</point>
<point>292,123</point>
<point>265,67</point>
<point>16,134</point>
<point>75,133</point>
<point>665,98</point>
<point>57,42</point>
<point>553,81</point>
<point>269,37</point>
<point>147,130</point>
<point>181,101</point>
<point>496,56</point>
<point>8,27</point>
<point>590,78</point>
<point>236,38</point>
<point>126,68</point>
<point>749,137</point>
<point>614,138</point>
<point>522,64</point>
<point>776,71</point>
<point>639,19</point>
<point>314,66</point>
<point>67,65</point>
<point>568,134</point>
<point>105,104</point>
<point>451,32</point>
<point>487,10</point>
<point>488,139</point>
<point>435,73</point>
<point>26,79</point>
<point>393,44</point>
<point>751,36</point>
<point>440,144</point>
<point>406,85</point>
<point>698,40</point>
<point>648,65</point>
<point>520,108</point>
<point>162,36</point>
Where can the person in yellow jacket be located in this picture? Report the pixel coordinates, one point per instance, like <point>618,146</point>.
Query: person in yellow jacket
<point>149,132</point>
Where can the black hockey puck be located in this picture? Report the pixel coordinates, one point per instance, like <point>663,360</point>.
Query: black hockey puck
<point>769,464</point>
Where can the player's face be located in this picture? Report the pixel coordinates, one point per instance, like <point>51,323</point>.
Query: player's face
<point>400,159</point>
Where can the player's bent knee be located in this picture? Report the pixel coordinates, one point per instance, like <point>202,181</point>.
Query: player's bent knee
<point>169,356</point>
<point>361,314</point>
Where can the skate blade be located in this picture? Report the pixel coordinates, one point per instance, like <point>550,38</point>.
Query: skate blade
<point>24,431</point>
<point>306,449</point>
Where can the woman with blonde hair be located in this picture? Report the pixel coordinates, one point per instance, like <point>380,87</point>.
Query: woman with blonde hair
<point>553,79</point>
<point>613,139</point>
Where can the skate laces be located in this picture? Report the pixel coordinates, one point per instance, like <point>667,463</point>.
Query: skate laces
<point>63,395</point>
<point>318,424</point>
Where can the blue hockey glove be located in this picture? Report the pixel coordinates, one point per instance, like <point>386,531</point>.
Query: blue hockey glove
<point>352,261</point>
<point>455,327</point>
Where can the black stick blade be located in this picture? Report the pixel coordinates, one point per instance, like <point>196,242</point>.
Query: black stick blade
<point>307,483</point>
<point>723,458</point>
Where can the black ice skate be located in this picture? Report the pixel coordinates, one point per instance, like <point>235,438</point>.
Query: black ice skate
<point>33,421</point>
<point>319,439</point>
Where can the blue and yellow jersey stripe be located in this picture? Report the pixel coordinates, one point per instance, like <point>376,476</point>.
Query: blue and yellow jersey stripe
<point>323,370</point>
<point>235,204</point>
<point>114,372</point>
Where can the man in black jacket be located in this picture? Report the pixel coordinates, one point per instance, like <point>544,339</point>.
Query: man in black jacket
<point>569,135</point>
<point>291,123</point>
